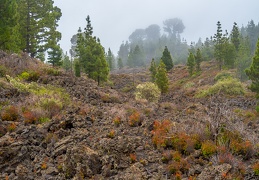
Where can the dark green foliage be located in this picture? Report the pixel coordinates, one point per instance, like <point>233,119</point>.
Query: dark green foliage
<point>198,60</point>
<point>55,55</point>
<point>77,69</point>
<point>10,38</point>
<point>235,36</point>
<point>167,59</point>
<point>66,63</point>
<point>229,54</point>
<point>153,70</point>
<point>219,46</point>
<point>38,23</point>
<point>91,54</point>
<point>161,78</point>
<point>253,71</point>
<point>208,49</point>
<point>244,59</point>
<point>191,63</point>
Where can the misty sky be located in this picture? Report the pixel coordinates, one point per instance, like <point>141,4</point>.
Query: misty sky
<point>114,20</point>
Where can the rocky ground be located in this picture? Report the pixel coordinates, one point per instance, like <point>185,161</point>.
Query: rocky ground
<point>104,133</point>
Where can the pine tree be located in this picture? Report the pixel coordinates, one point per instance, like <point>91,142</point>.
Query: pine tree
<point>55,56</point>
<point>153,70</point>
<point>38,23</point>
<point>167,59</point>
<point>66,63</point>
<point>253,71</point>
<point>161,78</point>
<point>91,54</point>
<point>120,63</point>
<point>219,46</point>
<point>198,60</point>
<point>10,39</point>
<point>243,59</point>
<point>136,57</point>
<point>110,59</point>
<point>77,69</point>
<point>191,63</point>
<point>234,36</point>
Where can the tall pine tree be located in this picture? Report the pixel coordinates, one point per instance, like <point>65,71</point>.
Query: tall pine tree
<point>10,39</point>
<point>91,54</point>
<point>219,46</point>
<point>153,70</point>
<point>38,23</point>
<point>161,78</point>
<point>191,63</point>
<point>253,71</point>
<point>167,59</point>
<point>198,60</point>
<point>235,36</point>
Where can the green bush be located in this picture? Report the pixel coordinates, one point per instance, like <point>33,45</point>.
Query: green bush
<point>3,71</point>
<point>228,86</point>
<point>29,76</point>
<point>148,91</point>
<point>223,75</point>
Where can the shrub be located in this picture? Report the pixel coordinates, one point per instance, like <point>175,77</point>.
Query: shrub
<point>3,71</point>
<point>133,158</point>
<point>52,71</point>
<point>134,119</point>
<point>229,86</point>
<point>223,75</point>
<point>111,134</point>
<point>11,127</point>
<point>208,148</point>
<point>52,106</point>
<point>242,148</point>
<point>30,117</point>
<point>160,133</point>
<point>10,113</point>
<point>256,168</point>
<point>117,121</point>
<point>148,91</point>
<point>24,75</point>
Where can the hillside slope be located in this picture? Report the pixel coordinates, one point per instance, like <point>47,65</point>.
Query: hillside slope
<point>56,126</point>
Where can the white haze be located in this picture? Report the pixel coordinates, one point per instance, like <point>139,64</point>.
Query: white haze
<point>114,20</point>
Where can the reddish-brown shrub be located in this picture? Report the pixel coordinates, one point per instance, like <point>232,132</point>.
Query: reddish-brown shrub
<point>133,158</point>
<point>160,133</point>
<point>256,168</point>
<point>30,117</point>
<point>10,113</point>
<point>11,127</point>
<point>134,119</point>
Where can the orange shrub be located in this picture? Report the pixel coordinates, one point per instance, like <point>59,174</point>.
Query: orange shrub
<point>256,168</point>
<point>111,134</point>
<point>133,158</point>
<point>11,127</point>
<point>134,119</point>
<point>29,117</point>
<point>117,121</point>
<point>242,148</point>
<point>160,133</point>
<point>208,148</point>
<point>10,113</point>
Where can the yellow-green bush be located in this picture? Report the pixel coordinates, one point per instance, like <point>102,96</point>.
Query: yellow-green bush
<point>228,86</point>
<point>223,75</point>
<point>208,148</point>
<point>148,91</point>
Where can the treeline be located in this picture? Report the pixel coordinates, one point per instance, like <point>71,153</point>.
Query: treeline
<point>31,27</point>
<point>145,44</point>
